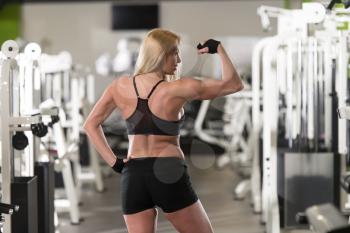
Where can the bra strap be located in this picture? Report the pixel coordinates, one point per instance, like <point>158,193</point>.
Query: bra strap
<point>133,80</point>
<point>154,88</point>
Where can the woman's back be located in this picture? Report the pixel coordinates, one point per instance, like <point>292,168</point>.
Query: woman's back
<point>165,109</point>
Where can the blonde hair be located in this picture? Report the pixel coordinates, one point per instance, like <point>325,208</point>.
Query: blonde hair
<point>157,44</point>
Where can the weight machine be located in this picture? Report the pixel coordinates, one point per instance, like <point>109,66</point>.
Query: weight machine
<point>290,70</point>
<point>11,121</point>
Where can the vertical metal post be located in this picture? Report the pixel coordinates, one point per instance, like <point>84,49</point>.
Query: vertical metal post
<point>8,69</point>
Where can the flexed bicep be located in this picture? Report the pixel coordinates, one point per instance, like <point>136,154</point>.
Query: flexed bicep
<point>191,89</point>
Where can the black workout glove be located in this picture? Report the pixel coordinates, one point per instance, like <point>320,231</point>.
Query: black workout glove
<point>118,166</point>
<point>211,44</point>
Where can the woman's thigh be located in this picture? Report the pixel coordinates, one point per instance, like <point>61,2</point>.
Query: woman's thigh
<point>191,219</point>
<point>142,222</point>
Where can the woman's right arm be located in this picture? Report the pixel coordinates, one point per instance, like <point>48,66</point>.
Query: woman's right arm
<point>230,82</point>
<point>92,126</point>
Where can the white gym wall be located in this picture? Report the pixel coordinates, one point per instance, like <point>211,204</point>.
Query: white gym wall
<point>84,29</point>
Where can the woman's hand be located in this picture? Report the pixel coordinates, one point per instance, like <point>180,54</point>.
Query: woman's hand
<point>210,46</point>
<point>119,164</point>
<point>126,160</point>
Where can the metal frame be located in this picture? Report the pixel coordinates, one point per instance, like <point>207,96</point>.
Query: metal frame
<point>9,122</point>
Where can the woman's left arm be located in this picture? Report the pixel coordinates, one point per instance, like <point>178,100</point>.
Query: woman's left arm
<point>92,126</point>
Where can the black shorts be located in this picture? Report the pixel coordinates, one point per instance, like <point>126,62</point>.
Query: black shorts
<point>150,181</point>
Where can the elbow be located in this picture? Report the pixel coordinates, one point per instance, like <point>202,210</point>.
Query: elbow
<point>87,126</point>
<point>238,84</point>
<point>235,86</point>
<point>91,125</point>
<point>239,87</point>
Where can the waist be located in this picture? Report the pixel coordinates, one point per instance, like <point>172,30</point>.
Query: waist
<point>152,164</point>
<point>154,145</point>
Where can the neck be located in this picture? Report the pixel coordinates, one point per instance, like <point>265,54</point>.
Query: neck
<point>158,74</point>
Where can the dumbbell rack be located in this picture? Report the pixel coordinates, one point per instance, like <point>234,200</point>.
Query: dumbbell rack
<point>10,123</point>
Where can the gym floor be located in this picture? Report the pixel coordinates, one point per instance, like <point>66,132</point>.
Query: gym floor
<point>102,211</point>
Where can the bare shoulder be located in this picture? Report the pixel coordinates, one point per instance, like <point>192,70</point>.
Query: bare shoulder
<point>120,82</point>
<point>185,88</point>
<point>119,85</point>
<point>119,89</point>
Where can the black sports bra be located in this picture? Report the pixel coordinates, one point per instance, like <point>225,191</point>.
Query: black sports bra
<point>143,121</point>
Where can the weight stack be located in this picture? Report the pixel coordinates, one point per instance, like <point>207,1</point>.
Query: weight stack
<point>46,194</point>
<point>24,192</point>
<point>306,179</point>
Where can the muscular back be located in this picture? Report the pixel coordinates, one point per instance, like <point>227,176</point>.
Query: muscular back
<point>162,103</point>
<point>167,103</point>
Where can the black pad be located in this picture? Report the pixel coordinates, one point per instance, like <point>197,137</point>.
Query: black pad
<point>301,218</point>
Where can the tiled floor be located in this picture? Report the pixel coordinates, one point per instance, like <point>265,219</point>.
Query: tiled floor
<point>102,211</point>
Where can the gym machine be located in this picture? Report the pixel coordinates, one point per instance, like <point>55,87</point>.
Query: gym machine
<point>6,209</point>
<point>83,98</point>
<point>70,88</point>
<point>31,159</point>
<point>291,23</point>
<point>53,71</point>
<point>19,190</point>
<point>303,81</point>
<point>36,82</point>
<point>27,158</point>
<point>324,218</point>
<point>232,133</point>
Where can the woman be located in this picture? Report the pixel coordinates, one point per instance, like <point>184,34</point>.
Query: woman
<point>155,173</point>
